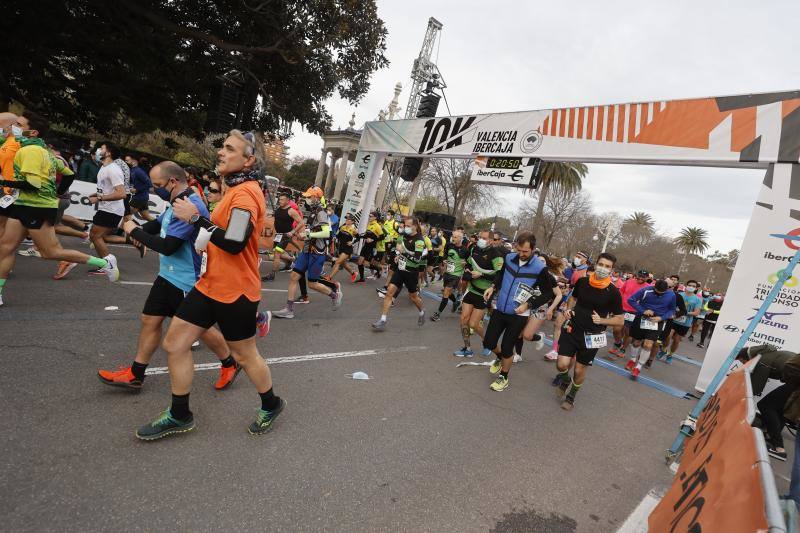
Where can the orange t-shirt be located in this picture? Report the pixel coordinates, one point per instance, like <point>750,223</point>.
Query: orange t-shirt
<point>229,276</point>
<point>8,150</point>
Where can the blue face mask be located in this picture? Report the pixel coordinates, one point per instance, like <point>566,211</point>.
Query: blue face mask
<point>163,193</point>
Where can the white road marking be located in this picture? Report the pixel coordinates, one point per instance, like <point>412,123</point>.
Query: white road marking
<point>301,358</point>
<point>637,520</point>
<point>148,283</point>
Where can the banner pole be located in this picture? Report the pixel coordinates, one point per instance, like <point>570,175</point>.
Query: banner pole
<point>687,429</point>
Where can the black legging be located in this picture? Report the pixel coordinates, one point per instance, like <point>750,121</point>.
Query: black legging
<point>707,331</point>
<point>771,409</point>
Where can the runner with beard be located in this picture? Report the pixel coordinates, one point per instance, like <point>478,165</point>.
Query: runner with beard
<point>546,309</point>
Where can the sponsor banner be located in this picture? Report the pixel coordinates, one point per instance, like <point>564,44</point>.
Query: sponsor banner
<point>718,486</point>
<point>80,207</point>
<point>765,253</point>
<point>747,130</point>
<point>511,171</point>
<point>355,198</point>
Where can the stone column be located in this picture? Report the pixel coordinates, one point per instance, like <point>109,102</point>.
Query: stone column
<point>341,176</point>
<point>321,167</point>
<point>329,177</point>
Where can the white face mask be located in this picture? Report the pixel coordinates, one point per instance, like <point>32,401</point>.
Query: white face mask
<point>601,272</point>
<point>576,261</point>
<point>16,131</point>
<point>407,231</point>
<point>482,243</point>
<point>691,290</point>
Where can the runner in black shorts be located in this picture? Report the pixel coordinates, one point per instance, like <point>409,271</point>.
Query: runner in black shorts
<point>595,304</point>
<point>654,306</point>
<point>455,261</point>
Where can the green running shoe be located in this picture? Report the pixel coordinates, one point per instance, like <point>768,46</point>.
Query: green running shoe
<point>496,367</point>
<point>265,419</point>
<point>164,426</point>
<point>499,384</point>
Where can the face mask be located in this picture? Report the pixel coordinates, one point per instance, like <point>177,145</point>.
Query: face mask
<point>601,272</point>
<point>16,131</point>
<point>163,193</point>
<point>705,293</point>
<point>717,298</point>
<point>691,290</point>
<point>576,261</point>
<point>482,243</point>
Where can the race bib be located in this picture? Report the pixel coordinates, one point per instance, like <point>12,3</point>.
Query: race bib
<point>646,323</point>
<point>9,199</point>
<point>449,267</point>
<point>278,237</point>
<point>595,341</point>
<point>401,262</point>
<point>203,263</point>
<point>630,317</point>
<point>523,294</point>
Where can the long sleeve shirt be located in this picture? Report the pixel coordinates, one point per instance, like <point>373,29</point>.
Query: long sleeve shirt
<point>647,299</point>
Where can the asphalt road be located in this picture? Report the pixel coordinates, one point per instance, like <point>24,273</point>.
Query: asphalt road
<point>421,446</point>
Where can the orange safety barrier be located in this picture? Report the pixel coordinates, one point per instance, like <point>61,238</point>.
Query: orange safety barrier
<point>718,485</point>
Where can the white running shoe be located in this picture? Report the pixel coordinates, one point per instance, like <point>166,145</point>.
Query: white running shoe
<point>552,355</point>
<point>517,358</point>
<point>30,252</point>
<point>538,344</point>
<point>337,302</point>
<point>196,344</point>
<point>283,313</point>
<point>112,271</point>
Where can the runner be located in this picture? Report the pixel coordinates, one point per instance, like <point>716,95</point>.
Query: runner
<point>516,288</point>
<point>179,269</point>
<point>345,239</point>
<point>390,230</point>
<point>35,208</point>
<point>9,145</point>
<point>370,237</point>
<point>109,199</point>
<point>435,255</point>
<point>455,260</point>
<point>578,269</point>
<point>312,259</point>
<point>483,264</point>
<point>288,223</point>
<point>680,311</point>
<point>622,335</point>
<point>410,252</point>
<point>228,291</point>
<point>712,309</point>
<point>679,327</point>
<point>594,305</point>
<point>545,311</point>
<point>654,306</point>
<point>140,189</point>
<point>705,297</point>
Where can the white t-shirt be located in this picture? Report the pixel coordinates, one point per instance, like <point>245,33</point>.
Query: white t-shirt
<point>108,177</point>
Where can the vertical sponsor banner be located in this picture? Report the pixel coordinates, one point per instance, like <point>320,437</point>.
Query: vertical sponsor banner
<point>358,185</point>
<point>765,252</point>
<point>80,207</point>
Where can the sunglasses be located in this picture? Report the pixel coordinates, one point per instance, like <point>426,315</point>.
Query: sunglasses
<point>213,190</point>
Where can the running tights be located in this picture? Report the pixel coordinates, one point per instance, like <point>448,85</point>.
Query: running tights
<point>707,331</point>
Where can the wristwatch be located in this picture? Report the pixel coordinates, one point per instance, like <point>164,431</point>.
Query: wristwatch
<point>194,218</point>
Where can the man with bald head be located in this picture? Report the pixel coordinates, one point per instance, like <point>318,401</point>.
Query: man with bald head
<point>179,268</point>
<point>8,149</point>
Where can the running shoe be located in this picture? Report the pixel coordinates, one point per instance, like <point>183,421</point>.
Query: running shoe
<point>630,364</point>
<point>283,313</point>
<point>660,355</point>
<point>112,271</point>
<point>122,377</point>
<point>421,319</point>
<point>337,301</point>
<point>691,338</point>
<point>1,300</point>
<point>353,277</point>
<point>486,352</point>
<point>64,268</point>
<point>538,342</point>
<point>556,381</point>
<point>262,323</point>
<point>496,367</point>
<point>163,426</point>
<point>552,355</point>
<point>30,252</point>
<point>27,241</point>
<point>464,352</point>
<point>773,451</point>
<point>700,345</point>
<point>380,325</point>
<point>456,305</point>
<point>500,384</point>
<point>435,316</point>
<point>98,272</point>
<point>266,419</point>
<point>268,277</point>
<point>517,358</point>
<point>635,374</point>
<point>302,300</point>
<point>617,351</point>
<point>648,364</point>
<point>381,295</point>
<point>568,403</point>
<point>227,376</point>
<point>360,281</point>
<point>381,290</point>
<point>668,359</point>
<point>196,344</point>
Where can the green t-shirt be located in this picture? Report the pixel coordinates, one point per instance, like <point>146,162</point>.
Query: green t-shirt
<point>457,256</point>
<point>411,248</point>
<point>37,166</point>
<point>488,262</point>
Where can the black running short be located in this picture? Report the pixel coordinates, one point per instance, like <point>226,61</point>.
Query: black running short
<point>639,334</point>
<point>164,299</point>
<point>434,260</point>
<point>407,278</point>
<point>33,217</point>
<point>451,281</point>
<point>679,329</point>
<point>507,326</point>
<point>236,320</point>
<point>368,251</point>
<point>474,300</point>
<point>104,219</point>
<point>573,345</point>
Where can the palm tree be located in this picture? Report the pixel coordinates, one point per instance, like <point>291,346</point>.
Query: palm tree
<point>691,241</point>
<point>641,226</point>
<point>569,176</point>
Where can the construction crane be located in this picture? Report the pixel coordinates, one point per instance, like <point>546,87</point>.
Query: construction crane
<point>424,75</point>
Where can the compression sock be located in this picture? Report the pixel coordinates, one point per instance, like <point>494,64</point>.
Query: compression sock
<point>269,402</point>
<point>465,334</point>
<point>290,305</point>
<point>2,284</point>
<point>453,298</point>
<point>504,374</point>
<point>563,377</point>
<point>518,346</point>
<point>97,262</point>
<point>228,362</point>
<point>303,286</point>
<point>442,304</point>
<point>137,369</point>
<point>360,272</point>
<point>573,389</point>
<point>329,284</point>
<point>180,407</point>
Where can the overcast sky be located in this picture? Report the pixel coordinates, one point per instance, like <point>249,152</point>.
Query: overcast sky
<point>512,55</point>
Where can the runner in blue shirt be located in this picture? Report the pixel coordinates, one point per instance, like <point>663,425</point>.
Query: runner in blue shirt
<point>679,327</point>
<point>654,306</point>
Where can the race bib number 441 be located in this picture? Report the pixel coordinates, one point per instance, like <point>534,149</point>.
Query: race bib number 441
<point>595,341</point>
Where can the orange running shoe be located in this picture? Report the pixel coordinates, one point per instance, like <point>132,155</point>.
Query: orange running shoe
<point>64,268</point>
<point>353,277</point>
<point>227,376</point>
<point>123,377</point>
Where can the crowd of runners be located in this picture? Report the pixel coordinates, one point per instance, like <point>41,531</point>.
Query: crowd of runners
<point>506,293</point>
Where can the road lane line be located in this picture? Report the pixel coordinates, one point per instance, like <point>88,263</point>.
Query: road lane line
<point>637,520</point>
<point>300,358</point>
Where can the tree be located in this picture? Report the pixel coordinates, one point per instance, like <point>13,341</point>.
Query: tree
<point>639,228</point>
<point>301,174</point>
<point>566,219</point>
<point>568,176</point>
<point>691,240</point>
<point>449,182</point>
<point>89,71</point>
